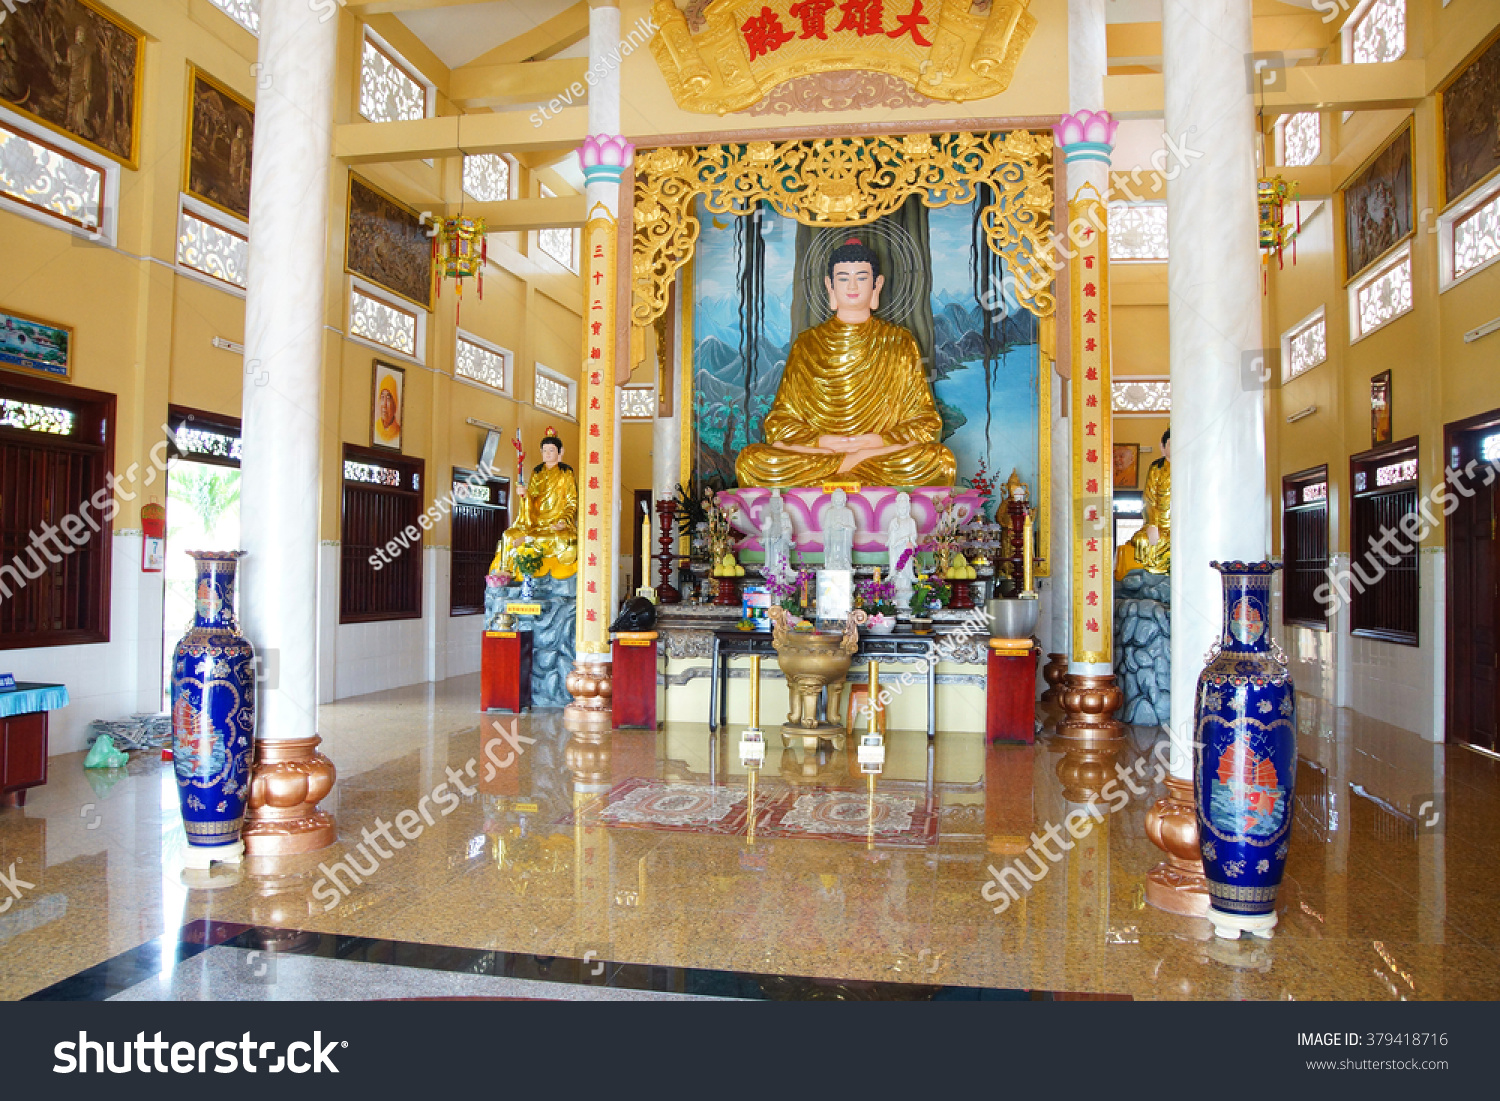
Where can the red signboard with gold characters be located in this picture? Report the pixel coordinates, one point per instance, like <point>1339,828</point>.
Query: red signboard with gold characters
<point>1093,455</point>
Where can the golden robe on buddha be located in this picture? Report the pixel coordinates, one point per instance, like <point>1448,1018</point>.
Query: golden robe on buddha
<point>1156,499</point>
<point>846,379</point>
<point>550,499</point>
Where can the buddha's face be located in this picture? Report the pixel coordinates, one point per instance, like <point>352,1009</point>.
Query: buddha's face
<point>1166,449</point>
<point>840,498</point>
<point>854,286</point>
<point>551,454</point>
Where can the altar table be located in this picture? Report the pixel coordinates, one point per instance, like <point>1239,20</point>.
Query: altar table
<point>900,646</point>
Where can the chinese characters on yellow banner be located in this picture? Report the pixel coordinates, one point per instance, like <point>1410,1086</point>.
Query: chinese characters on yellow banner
<point>1093,540</point>
<point>597,429</point>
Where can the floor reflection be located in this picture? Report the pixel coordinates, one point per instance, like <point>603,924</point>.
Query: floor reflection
<point>964,865</point>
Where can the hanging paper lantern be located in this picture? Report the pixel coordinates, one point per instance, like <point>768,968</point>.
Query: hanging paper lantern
<point>1273,193</point>
<point>460,251</point>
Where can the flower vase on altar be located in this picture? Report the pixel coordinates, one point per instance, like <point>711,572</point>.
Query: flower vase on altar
<point>1245,760</point>
<point>213,716</point>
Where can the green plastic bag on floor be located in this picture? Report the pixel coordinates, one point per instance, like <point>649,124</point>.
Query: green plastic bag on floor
<point>105,755</point>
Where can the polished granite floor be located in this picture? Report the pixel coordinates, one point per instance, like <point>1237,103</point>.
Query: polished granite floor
<point>1391,890</point>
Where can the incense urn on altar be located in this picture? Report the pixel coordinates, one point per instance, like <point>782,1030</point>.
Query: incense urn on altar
<point>812,661</point>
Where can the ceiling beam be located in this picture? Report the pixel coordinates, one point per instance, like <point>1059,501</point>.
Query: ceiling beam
<point>1298,88</point>
<point>568,28</point>
<point>450,135</point>
<point>519,82</point>
<point>563,212</point>
<point>386,7</point>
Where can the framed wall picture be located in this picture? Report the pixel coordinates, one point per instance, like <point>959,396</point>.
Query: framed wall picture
<point>220,127</point>
<point>387,406</point>
<point>1379,204</point>
<point>1380,409</point>
<point>31,345</point>
<point>75,68</point>
<point>1127,465</point>
<point>1469,107</point>
<point>388,244</point>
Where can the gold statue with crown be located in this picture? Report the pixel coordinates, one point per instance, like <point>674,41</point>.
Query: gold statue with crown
<point>854,404</point>
<point>545,513</point>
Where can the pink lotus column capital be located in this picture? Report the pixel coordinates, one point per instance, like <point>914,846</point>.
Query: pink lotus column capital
<point>1086,136</point>
<point>604,157</point>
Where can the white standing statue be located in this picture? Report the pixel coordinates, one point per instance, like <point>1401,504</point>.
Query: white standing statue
<point>901,537</point>
<point>838,533</point>
<point>776,537</point>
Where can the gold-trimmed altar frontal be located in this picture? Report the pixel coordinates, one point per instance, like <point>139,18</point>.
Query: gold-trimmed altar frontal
<point>735,52</point>
<point>843,182</point>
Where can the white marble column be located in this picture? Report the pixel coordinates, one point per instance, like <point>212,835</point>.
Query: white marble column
<point>1219,505</point>
<point>605,158</point>
<point>1088,62</point>
<point>283,400</point>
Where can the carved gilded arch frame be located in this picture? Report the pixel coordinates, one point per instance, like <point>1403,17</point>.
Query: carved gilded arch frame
<point>825,181</point>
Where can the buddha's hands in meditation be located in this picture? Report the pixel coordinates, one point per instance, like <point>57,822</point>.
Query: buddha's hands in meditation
<point>1153,534</point>
<point>855,449</point>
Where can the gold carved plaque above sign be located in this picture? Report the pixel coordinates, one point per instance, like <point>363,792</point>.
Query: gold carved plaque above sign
<point>951,50</point>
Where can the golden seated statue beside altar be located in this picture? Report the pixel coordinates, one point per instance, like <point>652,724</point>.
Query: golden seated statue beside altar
<point>854,404</point>
<point>546,517</point>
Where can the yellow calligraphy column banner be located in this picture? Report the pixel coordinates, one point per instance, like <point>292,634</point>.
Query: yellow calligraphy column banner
<point>1093,470</point>
<point>597,434</point>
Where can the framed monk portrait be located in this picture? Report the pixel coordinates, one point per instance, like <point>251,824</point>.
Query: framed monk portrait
<point>1127,465</point>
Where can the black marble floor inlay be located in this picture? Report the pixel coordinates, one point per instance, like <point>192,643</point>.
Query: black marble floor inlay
<point>140,964</point>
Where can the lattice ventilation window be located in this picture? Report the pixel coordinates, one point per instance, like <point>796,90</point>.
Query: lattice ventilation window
<point>480,364</point>
<point>371,474</point>
<point>1138,231</point>
<point>1141,396</point>
<point>49,180</point>
<point>638,403</point>
<point>212,249</point>
<point>244,12</point>
<point>487,177</point>
<point>1382,297</point>
<point>1489,448</point>
<point>558,244</point>
<point>36,418</point>
<point>203,441</point>
<point>1301,138</point>
<point>1476,237</point>
<point>1380,34</point>
<point>388,90</point>
<point>1306,346</point>
<point>383,324</point>
<point>553,395</point>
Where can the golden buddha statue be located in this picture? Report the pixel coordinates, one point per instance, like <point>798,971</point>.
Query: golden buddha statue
<point>546,515</point>
<point>854,404</point>
<point>1151,547</point>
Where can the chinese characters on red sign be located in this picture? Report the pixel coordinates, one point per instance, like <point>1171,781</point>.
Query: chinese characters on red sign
<point>765,32</point>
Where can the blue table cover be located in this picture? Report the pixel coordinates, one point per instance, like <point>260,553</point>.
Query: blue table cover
<point>32,697</point>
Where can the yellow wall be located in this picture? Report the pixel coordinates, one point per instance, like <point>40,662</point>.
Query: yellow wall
<point>144,330</point>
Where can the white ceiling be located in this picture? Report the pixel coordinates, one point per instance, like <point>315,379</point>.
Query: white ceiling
<point>459,35</point>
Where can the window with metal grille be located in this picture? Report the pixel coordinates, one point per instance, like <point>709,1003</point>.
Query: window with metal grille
<point>381,571</point>
<point>56,508</point>
<point>1384,598</point>
<point>480,516</point>
<point>1304,546</point>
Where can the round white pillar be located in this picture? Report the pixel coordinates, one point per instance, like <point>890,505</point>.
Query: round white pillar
<point>1219,505</point>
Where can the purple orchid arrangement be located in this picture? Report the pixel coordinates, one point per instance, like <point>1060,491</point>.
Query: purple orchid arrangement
<point>910,552</point>
<point>787,590</point>
<point>877,596</point>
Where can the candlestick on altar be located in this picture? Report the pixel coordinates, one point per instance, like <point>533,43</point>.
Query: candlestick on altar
<point>754,691</point>
<point>872,702</point>
<point>1026,562</point>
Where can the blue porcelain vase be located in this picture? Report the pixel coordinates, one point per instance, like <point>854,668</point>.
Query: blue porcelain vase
<point>213,715</point>
<point>1245,757</point>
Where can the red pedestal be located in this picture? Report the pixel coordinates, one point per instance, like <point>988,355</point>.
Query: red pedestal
<point>634,698</point>
<point>505,671</point>
<point>1010,705</point>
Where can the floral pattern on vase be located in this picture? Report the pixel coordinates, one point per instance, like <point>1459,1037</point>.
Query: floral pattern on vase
<point>213,711</point>
<point>1245,756</point>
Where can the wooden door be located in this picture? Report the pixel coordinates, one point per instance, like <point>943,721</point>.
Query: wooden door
<point>1473,601</point>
